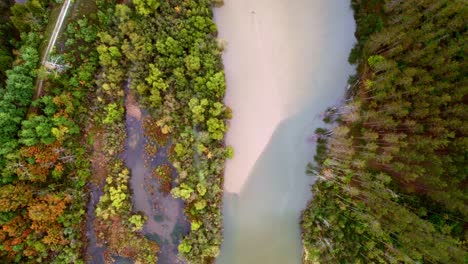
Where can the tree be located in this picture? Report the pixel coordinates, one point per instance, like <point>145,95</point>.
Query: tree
<point>198,108</point>
<point>192,63</point>
<point>114,113</point>
<point>35,130</point>
<point>216,128</point>
<point>155,79</point>
<point>217,84</point>
<point>14,197</point>
<point>146,7</point>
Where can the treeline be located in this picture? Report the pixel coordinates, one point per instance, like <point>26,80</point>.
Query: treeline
<point>17,73</point>
<point>392,165</point>
<point>174,64</point>
<point>43,161</point>
<point>8,34</point>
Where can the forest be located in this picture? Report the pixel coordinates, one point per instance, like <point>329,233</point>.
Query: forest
<point>168,55</point>
<point>392,161</point>
<point>53,144</point>
<point>44,168</point>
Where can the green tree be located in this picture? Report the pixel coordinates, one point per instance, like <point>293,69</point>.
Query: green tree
<point>216,128</point>
<point>35,130</point>
<point>146,7</point>
<point>391,169</point>
<point>114,113</point>
<point>198,108</point>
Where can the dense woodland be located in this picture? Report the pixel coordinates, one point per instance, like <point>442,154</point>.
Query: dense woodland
<point>43,166</point>
<point>392,163</point>
<point>53,145</point>
<point>167,53</point>
<point>45,143</point>
<point>174,64</point>
<point>7,35</point>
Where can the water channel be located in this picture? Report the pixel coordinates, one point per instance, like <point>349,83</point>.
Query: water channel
<point>285,62</point>
<point>166,222</point>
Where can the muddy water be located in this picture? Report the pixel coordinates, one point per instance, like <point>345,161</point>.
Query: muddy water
<point>166,222</point>
<point>285,62</point>
<point>94,253</point>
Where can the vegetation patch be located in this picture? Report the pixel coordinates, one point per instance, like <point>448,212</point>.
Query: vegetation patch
<point>43,164</point>
<point>116,224</point>
<point>391,166</point>
<point>156,132</point>
<point>175,67</point>
<point>163,174</point>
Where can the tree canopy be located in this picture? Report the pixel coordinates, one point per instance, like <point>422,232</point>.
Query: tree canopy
<point>392,173</point>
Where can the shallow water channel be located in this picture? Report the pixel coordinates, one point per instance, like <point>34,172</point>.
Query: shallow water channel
<point>285,62</point>
<point>166,222</point>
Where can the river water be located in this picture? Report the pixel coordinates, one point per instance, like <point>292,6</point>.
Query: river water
<point>285,62</point>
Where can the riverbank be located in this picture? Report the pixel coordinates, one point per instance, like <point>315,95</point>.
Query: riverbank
<point>392,186</point>
<point>275,96</point>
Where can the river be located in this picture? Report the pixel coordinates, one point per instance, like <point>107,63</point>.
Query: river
<point>285,62</point>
